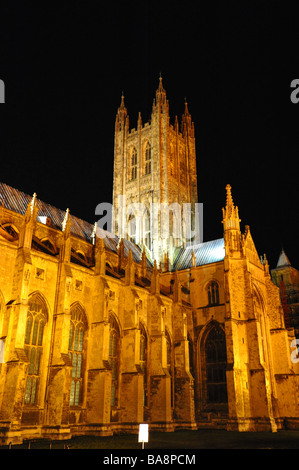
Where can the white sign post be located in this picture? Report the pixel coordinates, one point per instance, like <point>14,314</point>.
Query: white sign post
<point>143,434</point>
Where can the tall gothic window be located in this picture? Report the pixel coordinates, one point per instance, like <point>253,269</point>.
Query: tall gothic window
<point>213,293</point>
<point>147,230</point>
<point>114,359</point>
<point>182,168</point>
<point>132,229</point>
<point>148,159</point>
<point>215,355</point>
<point>36,320</point>
<point>143,362</point>
<point>76,354</point>
<point>134,164</point>
<point>172,161</point>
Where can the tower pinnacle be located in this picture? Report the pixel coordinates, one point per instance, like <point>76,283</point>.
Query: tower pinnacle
<point>229,200</point>
<point>230,212</point>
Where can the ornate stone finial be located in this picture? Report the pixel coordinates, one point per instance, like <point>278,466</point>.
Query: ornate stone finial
<point>122,102</point>
<point>94,233</point>
<point>139,122</point>
<point>229,199</point>
<point>193,259</point>
<point>66,224</point>
<point>31,208</point>
<point>186,112</point>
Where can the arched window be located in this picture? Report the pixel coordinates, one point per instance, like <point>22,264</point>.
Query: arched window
<point>114,359</point>
<point>169,363</point>
<point>143,362</point>
<point>148,159</point>
<point>182,168</point>
<point>36,320</point>
<point>78,327</point>
<point>133,174</point>
<point>213,293</point>
<point>147,230</point>
<point>215,358</point>
<point>172,161</point>
<point>132,229</point>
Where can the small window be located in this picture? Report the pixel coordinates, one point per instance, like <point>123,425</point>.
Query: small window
<point>40,273</point>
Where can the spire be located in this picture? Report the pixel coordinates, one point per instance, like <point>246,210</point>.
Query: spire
<point>160,93</point>
<point>231,223</point>
<point>230,211</point>
<point>122,111</point>
<point>186,111</point>
<point>139,122</point>
<point>283,260</point>
<point>160,83</point>
<point>229,199</point>
<point>122,103</point>
<point>187,126</point>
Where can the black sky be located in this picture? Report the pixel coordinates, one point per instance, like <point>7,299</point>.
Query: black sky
<point>65,66</point>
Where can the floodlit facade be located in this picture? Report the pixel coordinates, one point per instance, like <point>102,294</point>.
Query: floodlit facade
<point>99,334</point>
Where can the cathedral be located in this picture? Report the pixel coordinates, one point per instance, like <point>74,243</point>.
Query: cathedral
<point>101,331</point>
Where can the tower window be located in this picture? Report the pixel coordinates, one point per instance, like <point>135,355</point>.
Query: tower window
<point>134,165</point>
<point>148,159</point>
<point>213,293</point>
<point>132,228</point>
<point>147,231</point>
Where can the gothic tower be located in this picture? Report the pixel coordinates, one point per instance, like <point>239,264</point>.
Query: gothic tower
<point>154,164</point>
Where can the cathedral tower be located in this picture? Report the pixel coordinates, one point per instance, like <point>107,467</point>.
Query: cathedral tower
<point>154,164</point>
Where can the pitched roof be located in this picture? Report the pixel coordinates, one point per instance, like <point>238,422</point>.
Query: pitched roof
<point>17,201</point>
<point>205,253</point>
<point>283,260</point>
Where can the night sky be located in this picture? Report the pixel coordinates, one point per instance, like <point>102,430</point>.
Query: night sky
<point>65,67</point>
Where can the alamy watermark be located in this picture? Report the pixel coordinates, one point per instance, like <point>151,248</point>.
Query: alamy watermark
<point>295,93</point>
<point>161,220</point>
<point>2,91</point>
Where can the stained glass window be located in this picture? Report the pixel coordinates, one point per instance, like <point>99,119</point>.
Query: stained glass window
<point>76,354</point>
<point>36,320</point>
